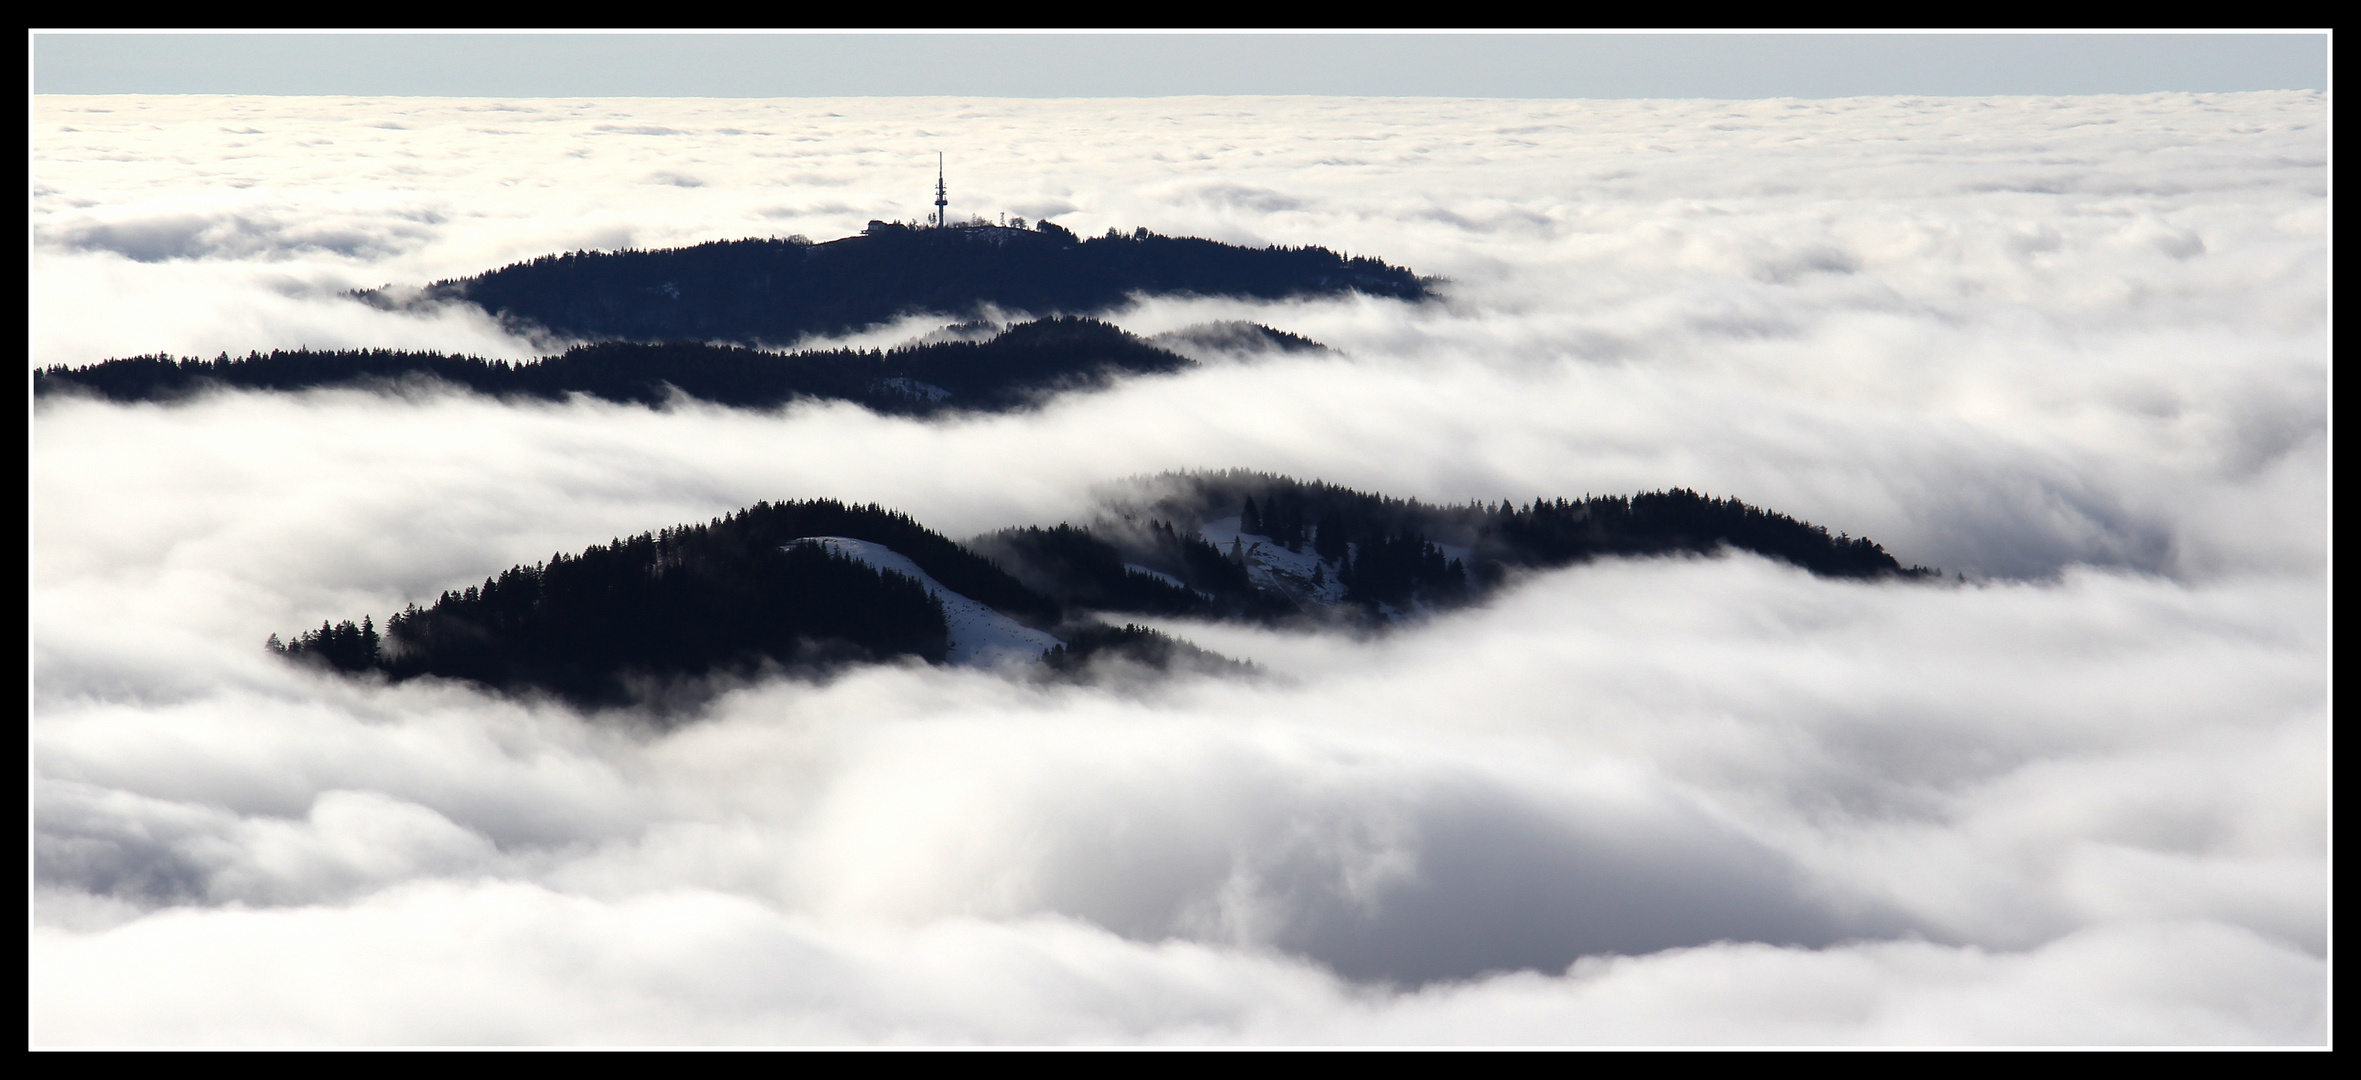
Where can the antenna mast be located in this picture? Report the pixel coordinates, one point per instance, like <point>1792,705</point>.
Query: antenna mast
<point>940,200</point>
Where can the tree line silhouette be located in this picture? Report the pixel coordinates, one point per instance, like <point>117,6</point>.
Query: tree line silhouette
<point>729,597</point>
<point>1389,553</point>
<point>1562,531</point>
<point>1078,569</point>
<point>1389,550</point>
<point>1141,647</point>
<point>1013,369</point>
<point>778,291</point>
<point>735,596</point>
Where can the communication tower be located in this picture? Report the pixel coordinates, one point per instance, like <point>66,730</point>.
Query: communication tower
<point>941,200</point>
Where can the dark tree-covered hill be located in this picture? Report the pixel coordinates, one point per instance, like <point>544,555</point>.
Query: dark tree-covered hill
<point>619,620</point>
<point>1234,337</point>
<point>1394,544</point>
<point>622,621</point>
<point>1376,553</point>
<point>1014,368</point>
<point>778,291</point>
<point>1081,570</point>
<point>1109,650</point>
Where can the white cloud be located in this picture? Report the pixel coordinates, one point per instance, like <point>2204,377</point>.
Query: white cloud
<point>2073,347</point>
<point>444,964</point>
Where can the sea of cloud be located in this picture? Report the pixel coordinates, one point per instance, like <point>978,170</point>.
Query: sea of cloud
<point>2072,350</point>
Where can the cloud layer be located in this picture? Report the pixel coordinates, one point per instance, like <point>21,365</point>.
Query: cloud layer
<point>2073,348</point>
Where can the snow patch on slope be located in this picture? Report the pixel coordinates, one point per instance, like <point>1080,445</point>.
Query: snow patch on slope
<point>980,635</point>
<point>1269,563</point>
<point>915,388</point>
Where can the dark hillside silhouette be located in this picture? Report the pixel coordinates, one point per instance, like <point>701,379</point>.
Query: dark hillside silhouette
<point>778,291</point>
<point>1394,544</point>
<point>624,621</point>
<point>730,597</point>
<point>1015,368</point>
<point>1234,337</point>
<point>1081,570</point>
<point>1116,651</point>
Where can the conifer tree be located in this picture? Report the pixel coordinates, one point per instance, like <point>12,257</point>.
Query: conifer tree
<point>1330,543</point>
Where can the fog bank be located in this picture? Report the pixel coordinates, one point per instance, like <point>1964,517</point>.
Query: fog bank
<point>2072,350</point>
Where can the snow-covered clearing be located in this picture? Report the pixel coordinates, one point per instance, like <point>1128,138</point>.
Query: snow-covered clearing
<point>1302,575</point>
<point>926,390</point>
<point>980,636</point>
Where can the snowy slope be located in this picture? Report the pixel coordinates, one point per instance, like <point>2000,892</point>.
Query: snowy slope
<point>1268,562</point>
<point>980,636</point>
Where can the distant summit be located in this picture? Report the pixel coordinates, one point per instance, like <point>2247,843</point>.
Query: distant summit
<point>775,292</point>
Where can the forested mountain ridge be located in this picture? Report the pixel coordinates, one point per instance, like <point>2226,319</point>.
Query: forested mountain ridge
<point>729,597</point>
<point>1016,367</point>
<point>1252,545</point>
<point>738,595</point>
<point>1395,551</point>
<point>780,291</point>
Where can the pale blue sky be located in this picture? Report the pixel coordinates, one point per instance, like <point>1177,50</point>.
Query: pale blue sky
<point>1146,65</point>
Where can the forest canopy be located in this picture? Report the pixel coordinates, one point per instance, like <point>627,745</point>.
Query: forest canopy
<point>732,597</point>
<point>736,596</point>
<point>1011,369</point>
<point>779,291</point>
